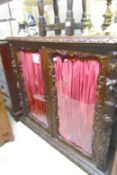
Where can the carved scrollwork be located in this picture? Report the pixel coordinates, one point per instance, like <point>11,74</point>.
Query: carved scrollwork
<point>17,67</point>
<point>102,130</point>
<point>111,85</point>
<point>107,122</point>
<point>50,91</point>
<point>110,82</point>
<point>14,66</point>
<point>103,119</point>
<point>105,110</point>
<point>103,141</point>
<point>79,55</point>
<point>113,67</point>
<point>113,63</point>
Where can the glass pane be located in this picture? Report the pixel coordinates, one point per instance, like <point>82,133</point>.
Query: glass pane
<point>76,83</point>
<point>32,74</point>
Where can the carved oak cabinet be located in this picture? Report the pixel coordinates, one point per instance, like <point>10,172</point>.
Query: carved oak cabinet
<point>67,88</point>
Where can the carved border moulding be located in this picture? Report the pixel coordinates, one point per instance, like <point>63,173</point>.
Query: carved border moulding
<point>65,39</point>
<point>20,81</point>
<point>103,121</point>
<point>112,91</point>
<point>50,91</point>
<point>98,44</point>
<point>113,63</point>
<point>14,67</point>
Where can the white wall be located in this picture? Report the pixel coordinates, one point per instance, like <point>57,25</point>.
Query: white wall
<point>97,9</point>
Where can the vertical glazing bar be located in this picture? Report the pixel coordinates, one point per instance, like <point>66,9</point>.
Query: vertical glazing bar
<point>86,14</point>
<point>42,22</point>
<point>56,18</point>
<point>69,23</point>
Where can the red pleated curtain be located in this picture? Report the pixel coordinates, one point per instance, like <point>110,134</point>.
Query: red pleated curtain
<point>32,74</point>
<point>76,83</point>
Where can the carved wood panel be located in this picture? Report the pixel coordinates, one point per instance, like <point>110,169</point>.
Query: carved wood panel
<point>107,86</point>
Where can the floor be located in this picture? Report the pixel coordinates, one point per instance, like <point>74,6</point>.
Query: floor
<point>29,154</point>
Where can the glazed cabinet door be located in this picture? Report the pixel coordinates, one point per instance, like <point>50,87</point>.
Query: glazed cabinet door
<point>28,67</point>
<point>82,100</point>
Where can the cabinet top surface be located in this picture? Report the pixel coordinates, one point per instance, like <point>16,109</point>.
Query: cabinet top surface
<point>66,39</point>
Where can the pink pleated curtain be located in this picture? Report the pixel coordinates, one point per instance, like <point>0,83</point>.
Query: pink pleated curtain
<point>32,74</point>
<point>76,83</point>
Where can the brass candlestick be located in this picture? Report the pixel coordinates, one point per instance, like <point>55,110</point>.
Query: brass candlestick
<point>112,28</point>
<point>107,15</point>
<point>86,21</point>
<point>115,17</point>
